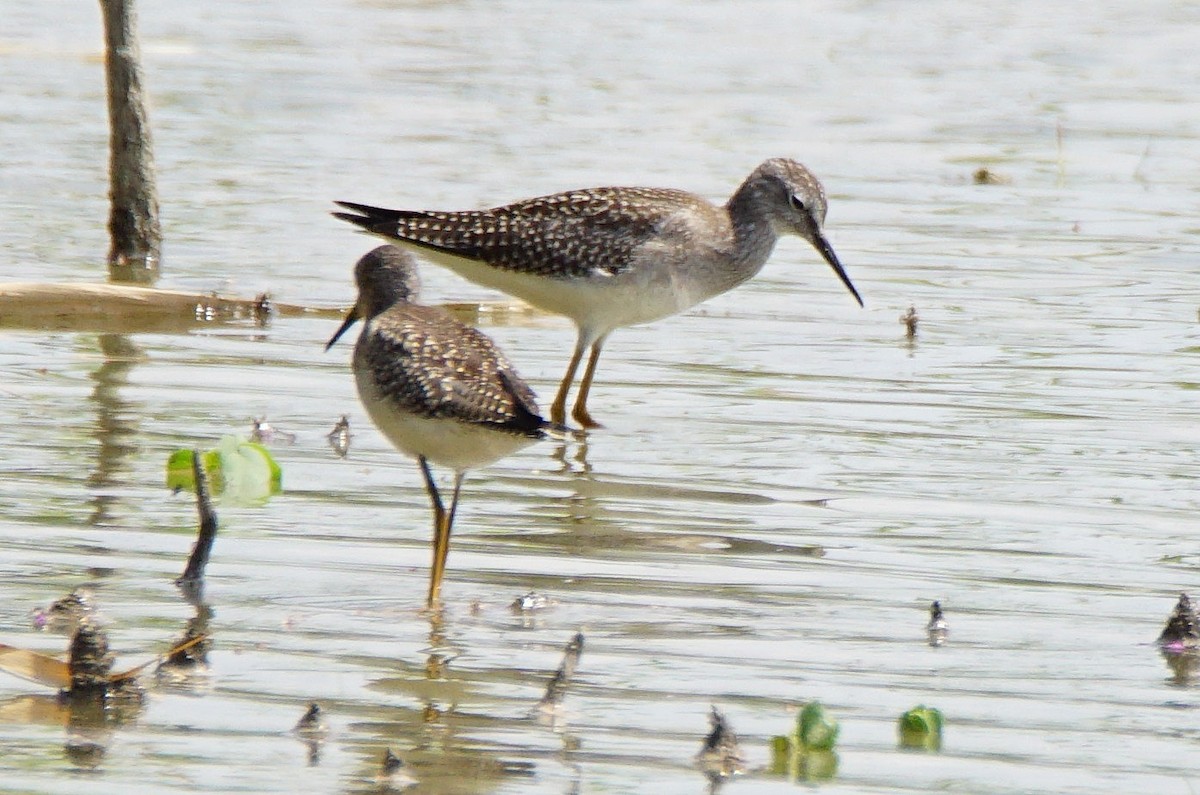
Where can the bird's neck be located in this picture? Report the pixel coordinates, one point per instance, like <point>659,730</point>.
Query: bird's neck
<point>754,237</point>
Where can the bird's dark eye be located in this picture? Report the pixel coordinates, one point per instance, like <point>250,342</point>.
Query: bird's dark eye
<point>797,203</point>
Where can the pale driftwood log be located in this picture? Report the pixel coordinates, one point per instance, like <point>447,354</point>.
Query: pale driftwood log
<point>121,308</point>
<point>129,309</point>
<point>133,225</point>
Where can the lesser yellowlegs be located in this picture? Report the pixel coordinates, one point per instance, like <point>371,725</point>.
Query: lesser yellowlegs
<point>439,390</point>
<point>613,257</point>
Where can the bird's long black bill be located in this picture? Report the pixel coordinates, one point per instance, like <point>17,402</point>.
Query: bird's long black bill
<point>351,319</point>
<point>827,252</point>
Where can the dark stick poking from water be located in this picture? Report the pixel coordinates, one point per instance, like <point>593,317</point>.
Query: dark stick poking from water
<point>557,688</point>
<point>97,701</point>
<point>721,756</point>
<point>1182,632</point>
<point>339,437</point>
<point>192,579</point>
<point>312,731</point>
<point>938,627</point>
<point>1179,642</point>
<point>910,319</point>
<point>90,660</point>
<point>312,723</point>
<point>133,222</point>
<point>393,774</point>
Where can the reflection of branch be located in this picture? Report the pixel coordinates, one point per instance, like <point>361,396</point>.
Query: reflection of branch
<point>192,649</point>
<point>115,431</point>
<point>192,579</point>
<point>185,666</point>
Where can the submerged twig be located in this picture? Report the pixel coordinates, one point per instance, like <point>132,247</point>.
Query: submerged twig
<point>557,686</point>
<point>985,176</point>
<point>88,669</point>
<point>909,319</point>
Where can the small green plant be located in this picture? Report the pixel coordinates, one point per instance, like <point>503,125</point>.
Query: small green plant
<point>238,469</point>
<point>807,753</point>
<point>816,730</point>
<point>921,727</point>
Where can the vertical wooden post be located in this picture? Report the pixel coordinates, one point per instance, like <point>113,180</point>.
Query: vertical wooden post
<point>133,223</point>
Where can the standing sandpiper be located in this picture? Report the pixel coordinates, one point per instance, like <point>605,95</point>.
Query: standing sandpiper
<point>613,257</point>
<point>439,390</point>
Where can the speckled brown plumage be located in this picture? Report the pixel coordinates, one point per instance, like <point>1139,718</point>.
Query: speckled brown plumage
<point>429,364</point>
<point>612,257</point>
<point>570,234</point>
<point>439,390</point>
<point>423,362</point>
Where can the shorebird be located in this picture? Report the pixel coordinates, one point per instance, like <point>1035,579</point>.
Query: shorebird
<point>614,257</point>
<point>438,389</point>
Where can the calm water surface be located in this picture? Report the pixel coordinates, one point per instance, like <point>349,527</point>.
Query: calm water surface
<point>784,483</point>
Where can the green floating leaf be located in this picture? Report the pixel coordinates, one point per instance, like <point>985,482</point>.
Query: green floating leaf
<point>921,727</point>
<point>179,469</point>
<point>816,730</point>
<point>238,470</point>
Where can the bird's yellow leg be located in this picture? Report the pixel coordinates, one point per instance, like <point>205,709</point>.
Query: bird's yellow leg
<point>580,412</point>
<point>558,410</point>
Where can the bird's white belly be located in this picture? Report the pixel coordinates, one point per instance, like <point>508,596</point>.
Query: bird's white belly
<point>446,442</point>
<point>597,302</point>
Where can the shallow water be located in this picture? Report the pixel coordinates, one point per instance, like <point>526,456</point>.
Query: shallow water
<point>784,482</point>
